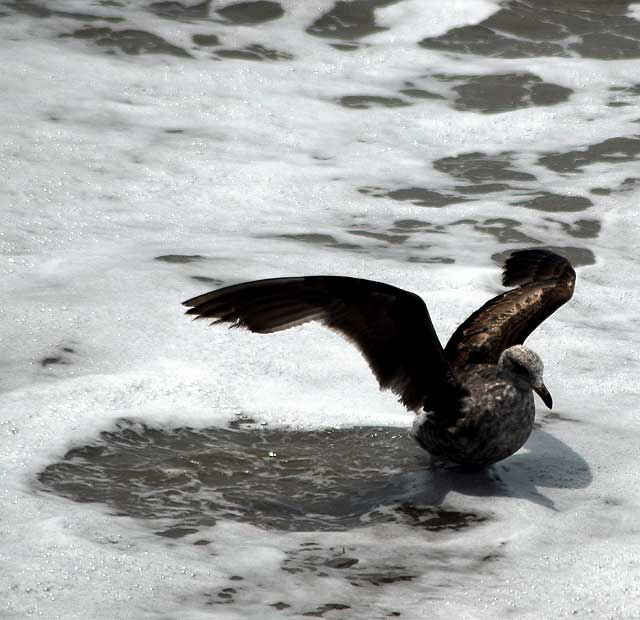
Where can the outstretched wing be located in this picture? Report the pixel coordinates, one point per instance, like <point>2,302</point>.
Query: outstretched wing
<point>390,326</point>
<point>545,281</point>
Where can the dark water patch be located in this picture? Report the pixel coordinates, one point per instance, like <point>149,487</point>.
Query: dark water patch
<point>34,9</point>
<point>242,422</point>
<point>319,239</point>
<point>254,52</point>
<point>320,611</point>
<point>548,201</point>
<point>401,225</point>
<point>179,259</point>
<point>483,188</point>
<point>618,104</point>
<point>381,579</point>
<point>579,257</point>
<point>504,92</point>
<point>423,197</point>
<point>341,562</point>
<point>248,13</point>
<point>609,45</point>
<point>624,95</point>
<point>48,361</point>
<point>427,260</point>
<point>613,151</point>
<point>612,501</point>
<point>633,91</point>
<point>386,237</point>
<point>505,230</point>
<point>485,39</point>
<point>320,563</point>
<point>581,229</point>
<point>206,40</point>
<point>420,93</point>
<point>280,605</point>
<point>550,417</point>
<point>435,520</point>
<point>187,479</point>
<point>207,280</point>
<point>221,597</point>
<point>479,168</point>
<point>364,102</point>
<point>428,227</point>
<point>227,593</point>
<point>132,42</point>
<point>524,29</point>
<point>418,196</point>
<point>180,11</point>
<point>629,184</point>
<point>321,157</point>
<point>177,532</point>
<point>61,356</point>
<point>346,47</point>
<point>479,39</point>
<point>239,54</point>
<point>349,20</point>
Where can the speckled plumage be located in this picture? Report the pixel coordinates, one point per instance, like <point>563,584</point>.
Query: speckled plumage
<point>475,394</point>
<point>495,420</point>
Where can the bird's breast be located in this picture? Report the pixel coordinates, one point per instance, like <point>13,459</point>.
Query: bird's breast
<point>496,421</point>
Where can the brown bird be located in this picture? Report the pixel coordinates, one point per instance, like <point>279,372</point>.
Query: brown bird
<point>474,396</point>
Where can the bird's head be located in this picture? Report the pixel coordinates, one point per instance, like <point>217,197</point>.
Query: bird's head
<point>524,368</point>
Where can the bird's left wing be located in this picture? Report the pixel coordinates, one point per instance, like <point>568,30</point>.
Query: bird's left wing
<point>544,281</point>
<point>390,326</point>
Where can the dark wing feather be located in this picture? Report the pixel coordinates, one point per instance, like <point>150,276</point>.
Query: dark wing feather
<point>390,326</point>
<point>545,281</point>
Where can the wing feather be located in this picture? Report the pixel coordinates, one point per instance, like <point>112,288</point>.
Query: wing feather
<point>544,281</point>
<point>390,326</point>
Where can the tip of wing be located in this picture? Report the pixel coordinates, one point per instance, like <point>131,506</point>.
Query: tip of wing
<point>536,265</point>
<point>262,306</point>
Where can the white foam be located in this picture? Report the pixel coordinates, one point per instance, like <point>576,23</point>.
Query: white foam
<point>89,200</point>
<point>409,22</point>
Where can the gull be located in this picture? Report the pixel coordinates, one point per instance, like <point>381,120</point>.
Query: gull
<point>474,397</point>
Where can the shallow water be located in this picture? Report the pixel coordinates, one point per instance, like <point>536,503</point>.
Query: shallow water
<point>156,468</point>
<point>283,479</point>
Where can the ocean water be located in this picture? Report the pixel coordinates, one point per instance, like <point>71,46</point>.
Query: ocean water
<point>155,468</point>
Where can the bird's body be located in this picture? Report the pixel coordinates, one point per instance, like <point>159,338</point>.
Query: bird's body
<point>474,397</point>
<point>495,421</point>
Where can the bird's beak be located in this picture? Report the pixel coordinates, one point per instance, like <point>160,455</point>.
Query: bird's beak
<point>543,393</point>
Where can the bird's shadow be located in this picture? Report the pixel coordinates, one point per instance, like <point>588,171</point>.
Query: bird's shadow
<point>331,479</point>
<point>545,462</point>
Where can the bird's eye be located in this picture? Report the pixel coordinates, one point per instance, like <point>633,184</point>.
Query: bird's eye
<point>520,368</point>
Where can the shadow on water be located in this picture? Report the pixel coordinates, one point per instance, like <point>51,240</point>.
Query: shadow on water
<point>186,479</point>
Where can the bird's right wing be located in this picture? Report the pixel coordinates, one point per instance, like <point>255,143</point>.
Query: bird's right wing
<point>390,326</point>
